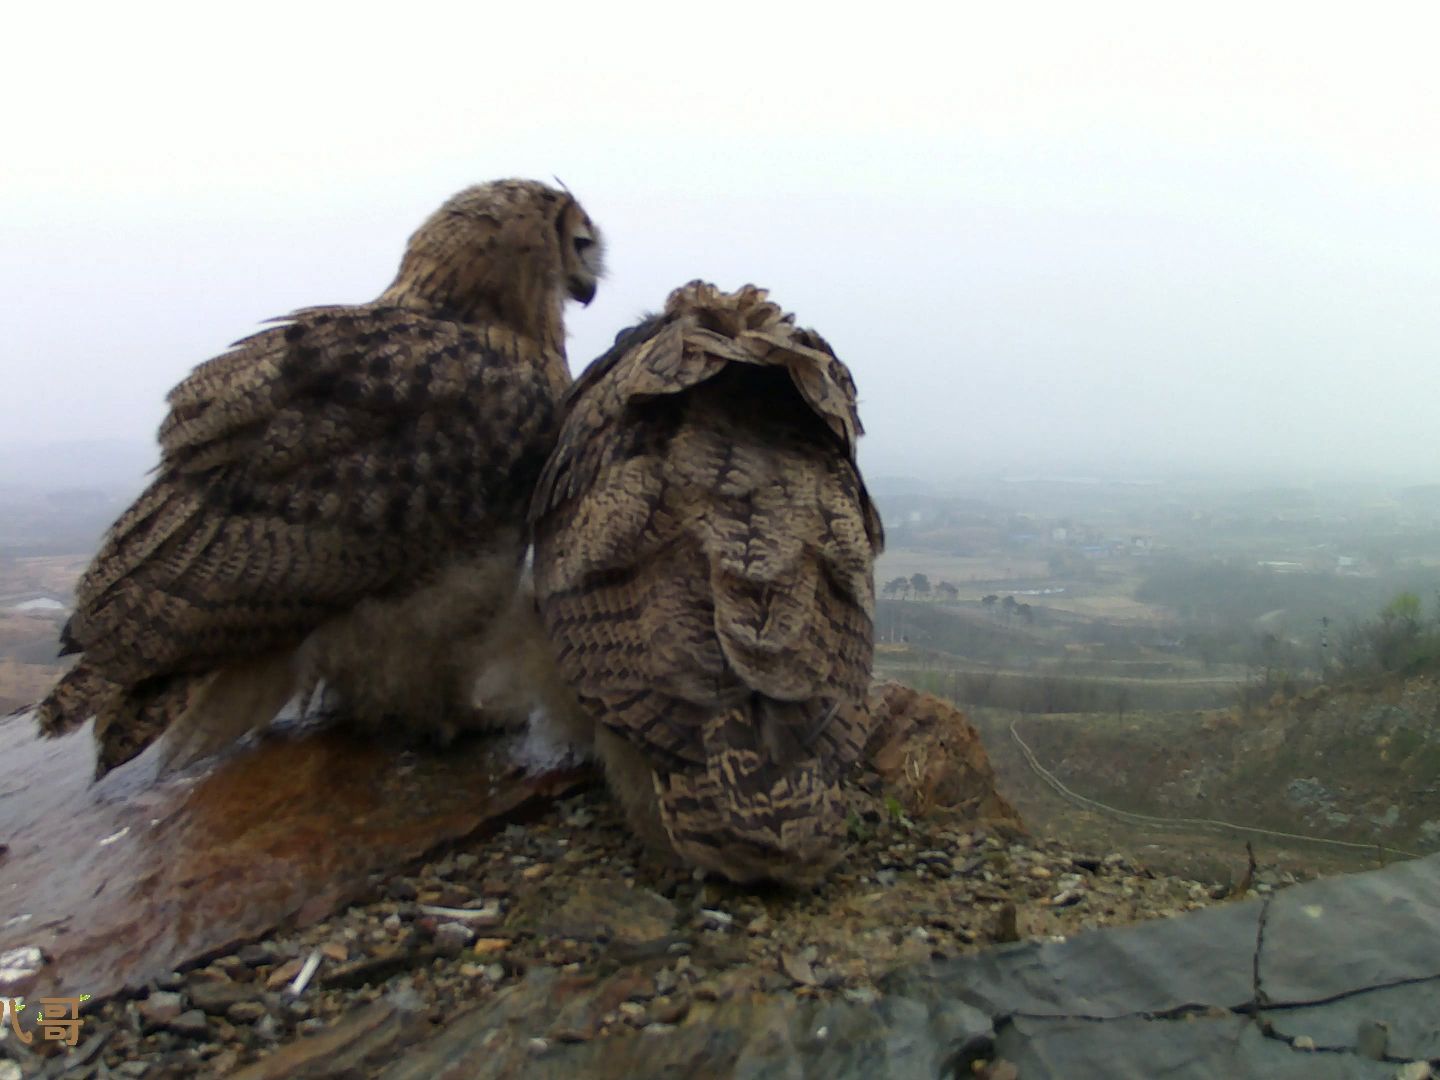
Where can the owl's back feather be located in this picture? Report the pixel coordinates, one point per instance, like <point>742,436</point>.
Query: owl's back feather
<point>346,455</point>
<point>704,555</point>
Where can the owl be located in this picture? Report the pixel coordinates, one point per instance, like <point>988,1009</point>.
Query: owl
<point>340,497</point>
<point>704,554</point>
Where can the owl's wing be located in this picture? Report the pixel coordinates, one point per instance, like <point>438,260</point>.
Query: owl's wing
<point>336,457</point>
<point>703,537</point>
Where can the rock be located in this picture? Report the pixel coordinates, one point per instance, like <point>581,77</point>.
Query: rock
<point>283,974</point>
<point>171,980</point>
<point>192,1025</point>
<point>798,968</point>
<point>161,1007</point>
<point>610,911</point>
<point>257,955</point>
<point>217,998</point>
<point>452,937</point>
<point>286,830</point>
<point>245,1012</point>
<point>929,755</point>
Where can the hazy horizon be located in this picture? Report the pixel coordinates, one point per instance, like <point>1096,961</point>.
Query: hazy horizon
<point>1115,241</point>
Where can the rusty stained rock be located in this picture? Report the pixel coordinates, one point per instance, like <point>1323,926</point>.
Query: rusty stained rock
<point>929,756</point>
<point>126,879</point>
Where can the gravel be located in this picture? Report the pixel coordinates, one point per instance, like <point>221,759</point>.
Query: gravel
<point>574,891</point>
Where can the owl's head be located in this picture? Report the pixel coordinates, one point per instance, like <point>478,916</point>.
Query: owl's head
<point>510,251</point>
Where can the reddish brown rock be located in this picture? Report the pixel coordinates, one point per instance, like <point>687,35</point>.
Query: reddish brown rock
<point>929,756</point>
<point>126,879</point>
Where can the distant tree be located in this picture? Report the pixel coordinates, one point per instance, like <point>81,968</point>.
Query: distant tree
<point>1122,701</point>
<point>1009,605</point>
<point>920,583</point>
<point>895,586</point>
<point>1026,612</point>
<point>1404,609</point>
<point>948,592</point>
<point>990,601</point>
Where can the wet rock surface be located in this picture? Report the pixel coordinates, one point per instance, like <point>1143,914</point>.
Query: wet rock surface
<point>117,883</point>
<point>558,947</point>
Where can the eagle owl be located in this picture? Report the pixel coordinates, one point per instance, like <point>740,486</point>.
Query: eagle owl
<point>704,552</point>
<point>340,497</point>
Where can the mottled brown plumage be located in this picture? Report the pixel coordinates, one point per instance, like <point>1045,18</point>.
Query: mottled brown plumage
<point>341,496</point>
<point>704,551</point>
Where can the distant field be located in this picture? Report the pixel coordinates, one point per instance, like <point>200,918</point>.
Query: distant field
<point>1111,608</point>
<point>51,573</point>
<point>966,573</point>
<point>29,640</point>
<point>1108,598</point>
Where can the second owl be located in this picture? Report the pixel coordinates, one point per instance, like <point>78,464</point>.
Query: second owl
<point>704,551</point>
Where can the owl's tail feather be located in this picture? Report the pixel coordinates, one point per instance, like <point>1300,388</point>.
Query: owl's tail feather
<point>201,715</point>
<point>81,693</point>
<point>198,715</point>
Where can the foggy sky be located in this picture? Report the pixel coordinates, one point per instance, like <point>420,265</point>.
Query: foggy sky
<point>1123,240</point>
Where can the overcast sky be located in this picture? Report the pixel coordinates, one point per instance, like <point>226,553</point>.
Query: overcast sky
<point>1066,239</point>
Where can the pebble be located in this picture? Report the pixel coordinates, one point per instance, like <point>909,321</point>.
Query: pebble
<point>161,1007</point>
<point>284,974</point>
<point>256,955</point>
<point>1303,1042</point>
<point>452,937</point>
<point>190,1024</point>
<point>515,880</point>
<point>216,998</point>
<point>245,1012</point>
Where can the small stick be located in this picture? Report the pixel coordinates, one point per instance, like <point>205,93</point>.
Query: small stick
<point>302,980</point>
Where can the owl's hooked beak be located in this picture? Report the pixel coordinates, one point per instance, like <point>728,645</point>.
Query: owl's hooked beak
<point>581,288</point>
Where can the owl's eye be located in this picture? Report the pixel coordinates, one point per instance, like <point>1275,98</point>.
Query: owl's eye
<point>581,243</point>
